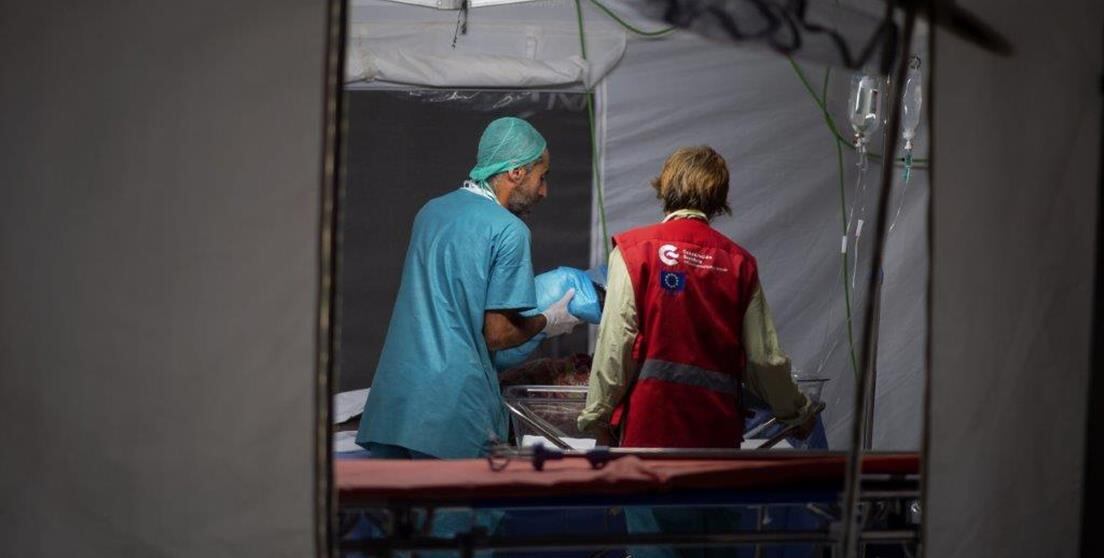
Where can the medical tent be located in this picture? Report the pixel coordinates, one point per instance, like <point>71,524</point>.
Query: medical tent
<point>791,199</point>
<point>163,177</point>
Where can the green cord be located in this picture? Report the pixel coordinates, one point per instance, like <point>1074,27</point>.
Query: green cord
<point>582,33</point>
<point>597,176</point>
<point>846,264</point>
<point>630,27</point>
<point>821,101</point>
<point>824,86</point>
<point>843,226</point>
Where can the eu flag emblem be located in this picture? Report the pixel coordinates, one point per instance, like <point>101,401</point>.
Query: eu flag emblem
<point>672,281</point>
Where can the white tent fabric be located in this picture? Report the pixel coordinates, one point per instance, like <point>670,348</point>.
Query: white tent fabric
<point>502,54</point>
<point>1017,151</point>
<point>749,104</point>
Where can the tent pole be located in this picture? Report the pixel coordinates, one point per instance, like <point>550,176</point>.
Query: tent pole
<point>851,527</point>
<point>1094,429</point>
<point>872,381</point>
<point>326,338</point>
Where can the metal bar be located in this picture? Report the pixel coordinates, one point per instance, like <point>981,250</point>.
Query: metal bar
<point>327,318</point>
<point>575,542</point>
<point>704,499</point>
<point>760,511</point>
<point>872,380</point>
<point>1091,545</point>
<point>872,478</point>
<point>785,433</point>
<point>706,453</point>
<point>820,512</point>
<point>546,430</point>
<point>533,419</point>
<point>934,8</point>
<point>751,433</point>
<point>889,495</point>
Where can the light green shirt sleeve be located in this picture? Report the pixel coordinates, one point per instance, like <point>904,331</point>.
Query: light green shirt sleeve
<point>612,369</point>
<point>768,368</point>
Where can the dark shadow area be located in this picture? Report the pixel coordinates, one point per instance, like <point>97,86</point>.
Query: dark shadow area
<point>407,147</point>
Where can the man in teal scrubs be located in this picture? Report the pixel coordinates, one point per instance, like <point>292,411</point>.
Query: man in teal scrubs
<point>467,278</point>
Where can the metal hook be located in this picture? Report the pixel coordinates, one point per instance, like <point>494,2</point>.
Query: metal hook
<point>461,22</point>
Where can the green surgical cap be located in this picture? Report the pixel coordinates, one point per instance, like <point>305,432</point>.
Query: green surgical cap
<point>507,143</point>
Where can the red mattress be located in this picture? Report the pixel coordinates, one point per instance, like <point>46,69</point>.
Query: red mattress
<point>380,481</point>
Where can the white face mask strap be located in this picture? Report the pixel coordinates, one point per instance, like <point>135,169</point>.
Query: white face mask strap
<point>481,188</point>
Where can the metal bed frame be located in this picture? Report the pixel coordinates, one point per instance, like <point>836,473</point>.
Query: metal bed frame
<point>888,515</point>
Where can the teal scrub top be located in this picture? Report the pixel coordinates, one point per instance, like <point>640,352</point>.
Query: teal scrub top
<point>435,390</point>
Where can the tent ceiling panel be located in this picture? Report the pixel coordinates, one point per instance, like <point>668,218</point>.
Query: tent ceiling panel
<point>492,54</point>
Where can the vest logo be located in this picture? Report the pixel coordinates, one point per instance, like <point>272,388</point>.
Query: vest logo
<point>668,254</point>
<point>673,282</point>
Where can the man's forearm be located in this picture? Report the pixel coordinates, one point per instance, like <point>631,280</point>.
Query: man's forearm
<point>505,330</point>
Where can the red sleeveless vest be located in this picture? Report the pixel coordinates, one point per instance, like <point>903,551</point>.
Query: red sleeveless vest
<point>692,286</point>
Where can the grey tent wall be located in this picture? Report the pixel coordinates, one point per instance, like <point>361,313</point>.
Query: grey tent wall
<point>1091,544</point>
<point>1014,188</point>
<point>159,232</point>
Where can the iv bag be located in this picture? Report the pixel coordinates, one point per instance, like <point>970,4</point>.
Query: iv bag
<point>910,106</point>
<point>865,110</point>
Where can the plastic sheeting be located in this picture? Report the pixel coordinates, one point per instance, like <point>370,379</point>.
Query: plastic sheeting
<point>553,285</point>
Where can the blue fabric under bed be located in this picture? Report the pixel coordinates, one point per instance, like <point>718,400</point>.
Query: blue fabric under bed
<point>357,525</point>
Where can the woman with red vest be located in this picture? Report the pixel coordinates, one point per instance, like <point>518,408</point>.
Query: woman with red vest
<point>685,326</point>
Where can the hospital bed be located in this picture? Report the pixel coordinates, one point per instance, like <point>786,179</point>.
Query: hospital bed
<point>547,415</point>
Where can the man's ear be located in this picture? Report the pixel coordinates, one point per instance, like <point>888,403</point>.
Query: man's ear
<point>516,174</point>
